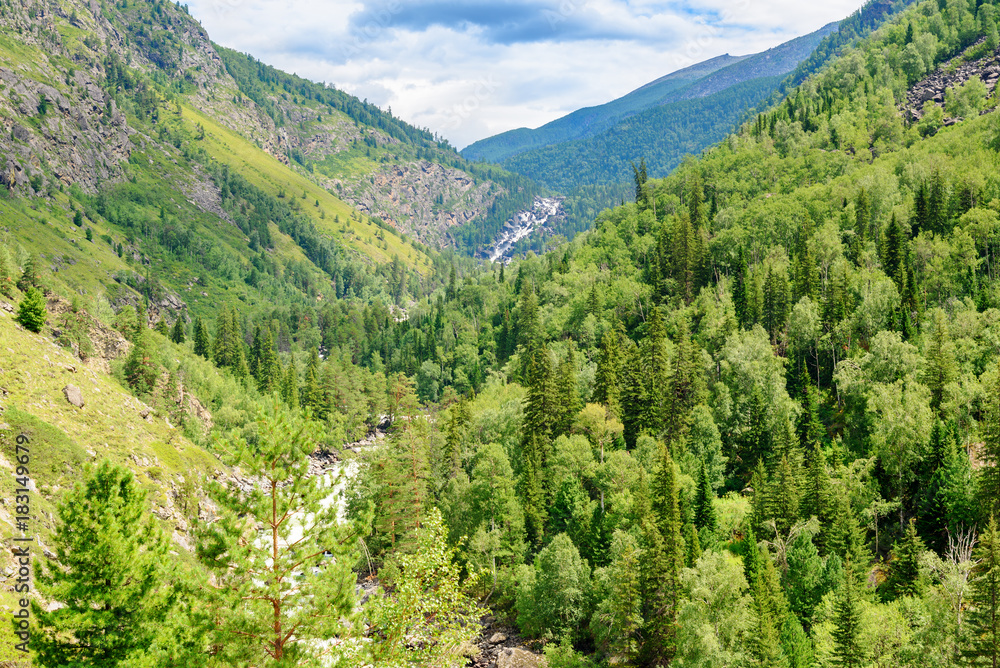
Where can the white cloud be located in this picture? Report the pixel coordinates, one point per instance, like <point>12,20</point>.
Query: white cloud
<point>468,69</point>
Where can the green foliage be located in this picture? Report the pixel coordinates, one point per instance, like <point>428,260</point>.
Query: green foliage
<point>112,576</point>
<point>281,560</point>
<point>984,648</point>
<point>142,366</point>
<point>31,312</point>
<point>553,595</point>
<point>427,618</point>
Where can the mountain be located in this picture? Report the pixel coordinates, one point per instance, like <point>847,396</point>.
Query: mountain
<point>699,80</point>
<point>591,120</point>
<point>791,337</point>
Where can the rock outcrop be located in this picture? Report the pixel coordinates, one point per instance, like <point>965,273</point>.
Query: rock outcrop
<point>950,75</point>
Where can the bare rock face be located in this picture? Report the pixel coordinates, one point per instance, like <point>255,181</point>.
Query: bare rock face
<point>74,395</point>
<point>933,86</point>
<point>423,199</point>
<point>515,657</point>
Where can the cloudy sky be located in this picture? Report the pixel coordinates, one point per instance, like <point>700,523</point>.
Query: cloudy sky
<point>468,69</point>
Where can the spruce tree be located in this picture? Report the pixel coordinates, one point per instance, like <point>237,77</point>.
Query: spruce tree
<point>989,475</point>
<point>983,648</point>
<point>704,502</point>
<point>634,403</point>
<point>661,582</point>
<point>31,312</point>
<point>816,495</point>
<point>740,304</point>
<point>110,572</point>
<point>606,389</point>
<point>941,366</point>
<point>312,391</point>
<point>847,650</point>
<point>290,384</point>
<point>202,343</point>
<point>568,397</point>
<point>177,333</point>
<point>685,385</point>
<point>785,495</point>
<point>657,373</point>
<point>904,578</point>
<point>31,276</point>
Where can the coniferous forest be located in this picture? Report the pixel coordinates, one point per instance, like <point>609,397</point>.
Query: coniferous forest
<point>749,418</point>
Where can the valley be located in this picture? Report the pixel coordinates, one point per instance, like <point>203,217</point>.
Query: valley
<point>704,376</point>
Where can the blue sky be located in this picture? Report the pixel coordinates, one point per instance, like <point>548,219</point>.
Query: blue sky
<point>468,69</point>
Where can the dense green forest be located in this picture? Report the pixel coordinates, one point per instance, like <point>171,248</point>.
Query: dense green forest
<point>751,418</point>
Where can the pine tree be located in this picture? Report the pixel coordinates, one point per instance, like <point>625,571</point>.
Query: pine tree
<point>278,591</point>
<point>177,333</point>
<point>847,650</point>
<point>110,572</point>
<point>984,617</point>
<point>31,312</point>
<point>202,345</point>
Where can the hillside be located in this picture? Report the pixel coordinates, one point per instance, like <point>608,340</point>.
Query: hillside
<point>749,418</point>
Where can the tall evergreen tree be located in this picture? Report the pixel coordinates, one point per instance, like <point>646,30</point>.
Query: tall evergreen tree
<point>984,618</point>
<point>269,597</point>
<point>290,384</point>
<point>567,402</point>
<point>847,649</point>
<point>740,300</point>
<point>634,403</point>
<point>202,344</point>
<point>904,578</point>
<point>177,332</point>
<point>661,581</point>
<point>31,311</point>
<point>657,373</point>
<point>606,389</point>
<point>941,366</point>
<point>704,502</point>
<point>989,475</point>
<point>111,576</point>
